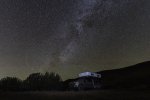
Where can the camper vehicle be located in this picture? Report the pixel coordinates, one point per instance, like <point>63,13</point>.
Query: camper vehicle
<point>86,81</point>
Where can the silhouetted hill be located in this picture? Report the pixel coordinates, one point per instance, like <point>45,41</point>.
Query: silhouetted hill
<point>132,77</point>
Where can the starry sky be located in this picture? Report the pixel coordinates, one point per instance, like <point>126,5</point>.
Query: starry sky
<point>72,36</point>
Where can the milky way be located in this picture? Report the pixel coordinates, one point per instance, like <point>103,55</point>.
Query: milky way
<point>71,36</point>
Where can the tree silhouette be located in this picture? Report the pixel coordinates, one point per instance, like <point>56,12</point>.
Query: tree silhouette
<point>52,81</point>
<point>34,82</point>
<point>10,84</point>
<point>38,81</point>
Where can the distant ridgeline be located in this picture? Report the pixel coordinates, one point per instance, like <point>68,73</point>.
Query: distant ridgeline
<point>134,77</point>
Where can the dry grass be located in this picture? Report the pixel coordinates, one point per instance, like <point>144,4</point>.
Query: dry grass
<point>84,95</point>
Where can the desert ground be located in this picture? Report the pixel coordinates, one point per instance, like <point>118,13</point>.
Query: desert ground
<point>72,95</point>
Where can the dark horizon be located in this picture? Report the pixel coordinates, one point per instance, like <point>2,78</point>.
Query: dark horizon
<point>140,65</point>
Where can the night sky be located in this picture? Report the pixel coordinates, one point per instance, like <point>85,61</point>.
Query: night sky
<point>72,36</point>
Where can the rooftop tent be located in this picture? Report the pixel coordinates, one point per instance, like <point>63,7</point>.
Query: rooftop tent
<point>84,74</point>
